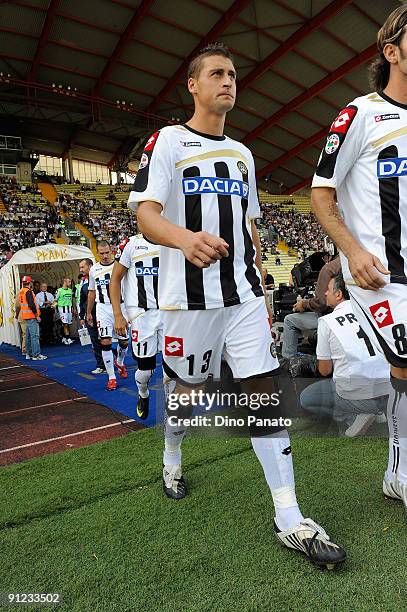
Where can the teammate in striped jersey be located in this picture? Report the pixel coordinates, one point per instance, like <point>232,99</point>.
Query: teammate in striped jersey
<point>196,195</point>
<point>364,168</point>
<point>99,290</point>
<point>136,270</point>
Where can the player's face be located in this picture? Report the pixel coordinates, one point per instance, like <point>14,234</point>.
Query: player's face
<point>402,56</point>
<point>105,254</point>
<point>215,87</point>
<point>67,282</point>
<point>84,268</point>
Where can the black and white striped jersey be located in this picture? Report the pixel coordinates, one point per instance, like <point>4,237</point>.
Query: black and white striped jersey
<point>203,183</point>
<point>140,283</point>
<point>365,160</point>
<point>99,281</point>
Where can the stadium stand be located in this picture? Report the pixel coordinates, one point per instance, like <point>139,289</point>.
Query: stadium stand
<point>26,218</point>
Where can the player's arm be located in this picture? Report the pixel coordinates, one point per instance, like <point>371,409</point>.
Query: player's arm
<point>363,266</point>
<point>89,308</point>
<point>257,246</point>
<point>325,367</point>
<point>200,248</point>
<point>118,273</point>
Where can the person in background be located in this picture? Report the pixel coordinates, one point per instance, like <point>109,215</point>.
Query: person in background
<point>30,313</point>
<point>78,288</point>
<point>44,300</point>
<point>36,287</point>
<point>85,266</point>
<point>65,301</point>
<point>268,279</point>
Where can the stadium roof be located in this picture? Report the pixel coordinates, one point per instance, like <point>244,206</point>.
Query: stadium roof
<point>97,76</point>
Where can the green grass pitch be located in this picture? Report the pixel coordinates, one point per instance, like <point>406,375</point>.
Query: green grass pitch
<point>93,525</point>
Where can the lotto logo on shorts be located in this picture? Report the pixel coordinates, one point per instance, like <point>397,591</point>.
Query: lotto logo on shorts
<point>382,314</point>
<point>174,347</point>
<point>134,335</point>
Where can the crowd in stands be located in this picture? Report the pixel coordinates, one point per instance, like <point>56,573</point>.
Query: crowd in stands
<point>301,232</point>
<point>28,219</point>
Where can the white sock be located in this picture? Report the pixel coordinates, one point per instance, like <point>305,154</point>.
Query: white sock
<point>174,434</point>
<point>274,454</point>
<point>397,419</point>
<point>142,378</point>
<point>121,354</point>
<point>108,361</point>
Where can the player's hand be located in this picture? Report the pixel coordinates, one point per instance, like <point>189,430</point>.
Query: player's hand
<point>299,306</point>
<point>89,319</point>
<point>365,269</point>
<point>203,249</point>
<point>82,322</point>
<point>121,325</point>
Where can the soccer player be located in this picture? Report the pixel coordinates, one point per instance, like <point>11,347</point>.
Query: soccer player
<point>363,169</point>
<point>99,291</point>
<point>196,195</point>
<point>65,302</point>
<point>137,267</point>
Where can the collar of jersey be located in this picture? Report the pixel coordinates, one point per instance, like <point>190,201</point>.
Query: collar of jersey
<point>383,95</point>
<point>210,136</point>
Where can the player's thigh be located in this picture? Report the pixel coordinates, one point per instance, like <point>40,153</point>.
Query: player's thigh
<point>382,315</point>
<point>248,341</point>
<point>193,341</point>
<point>104,321</point>
<point>145,334</point>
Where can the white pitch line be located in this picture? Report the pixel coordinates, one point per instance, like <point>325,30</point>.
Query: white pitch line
<point>30,387</point>
<point>11,367</point>
<point>43,405</point>
<point>78,433</point>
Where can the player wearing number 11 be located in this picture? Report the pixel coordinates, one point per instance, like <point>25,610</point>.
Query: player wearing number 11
<point>196,195</point>
<point>363,167</point>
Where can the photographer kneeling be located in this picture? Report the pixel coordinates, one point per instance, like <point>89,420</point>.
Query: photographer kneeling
<point>357,393</point>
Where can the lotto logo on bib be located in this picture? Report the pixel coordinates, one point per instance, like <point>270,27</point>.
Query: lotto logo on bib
<point>173,347</point>
<point>382,314</point>
<point>343,120</point>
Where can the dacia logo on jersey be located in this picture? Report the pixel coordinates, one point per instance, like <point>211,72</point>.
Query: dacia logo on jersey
<point>209,184</point>
<point>387,168</point>
<point>102,282</point>
<point>146,271</point>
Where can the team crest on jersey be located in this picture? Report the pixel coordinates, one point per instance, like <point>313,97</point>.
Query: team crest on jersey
<point>381,313</point>
<point>173,347</point>
<point>332,144</point>
<point>143,161</point>
<point>388,168</point>
<point>242,167</point>
<point>211,184</point>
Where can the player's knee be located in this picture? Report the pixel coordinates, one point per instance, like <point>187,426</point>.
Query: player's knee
<point>146,363</point>
<point>107,347</point>
<point>264,411</point>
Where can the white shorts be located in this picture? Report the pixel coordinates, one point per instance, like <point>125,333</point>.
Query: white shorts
<point>195,340</point>
<point>65,314</point>
<point>146,331</point>
<point>383,316</point>
<point>105,321</point>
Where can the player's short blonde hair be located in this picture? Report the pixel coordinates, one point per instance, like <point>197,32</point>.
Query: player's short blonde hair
<point>392,32</point>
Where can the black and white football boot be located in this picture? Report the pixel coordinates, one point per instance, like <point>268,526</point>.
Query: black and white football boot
<point>174,485</point>
<point>394,489</point>
<point>142,407</point>
<point>312,540</point>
